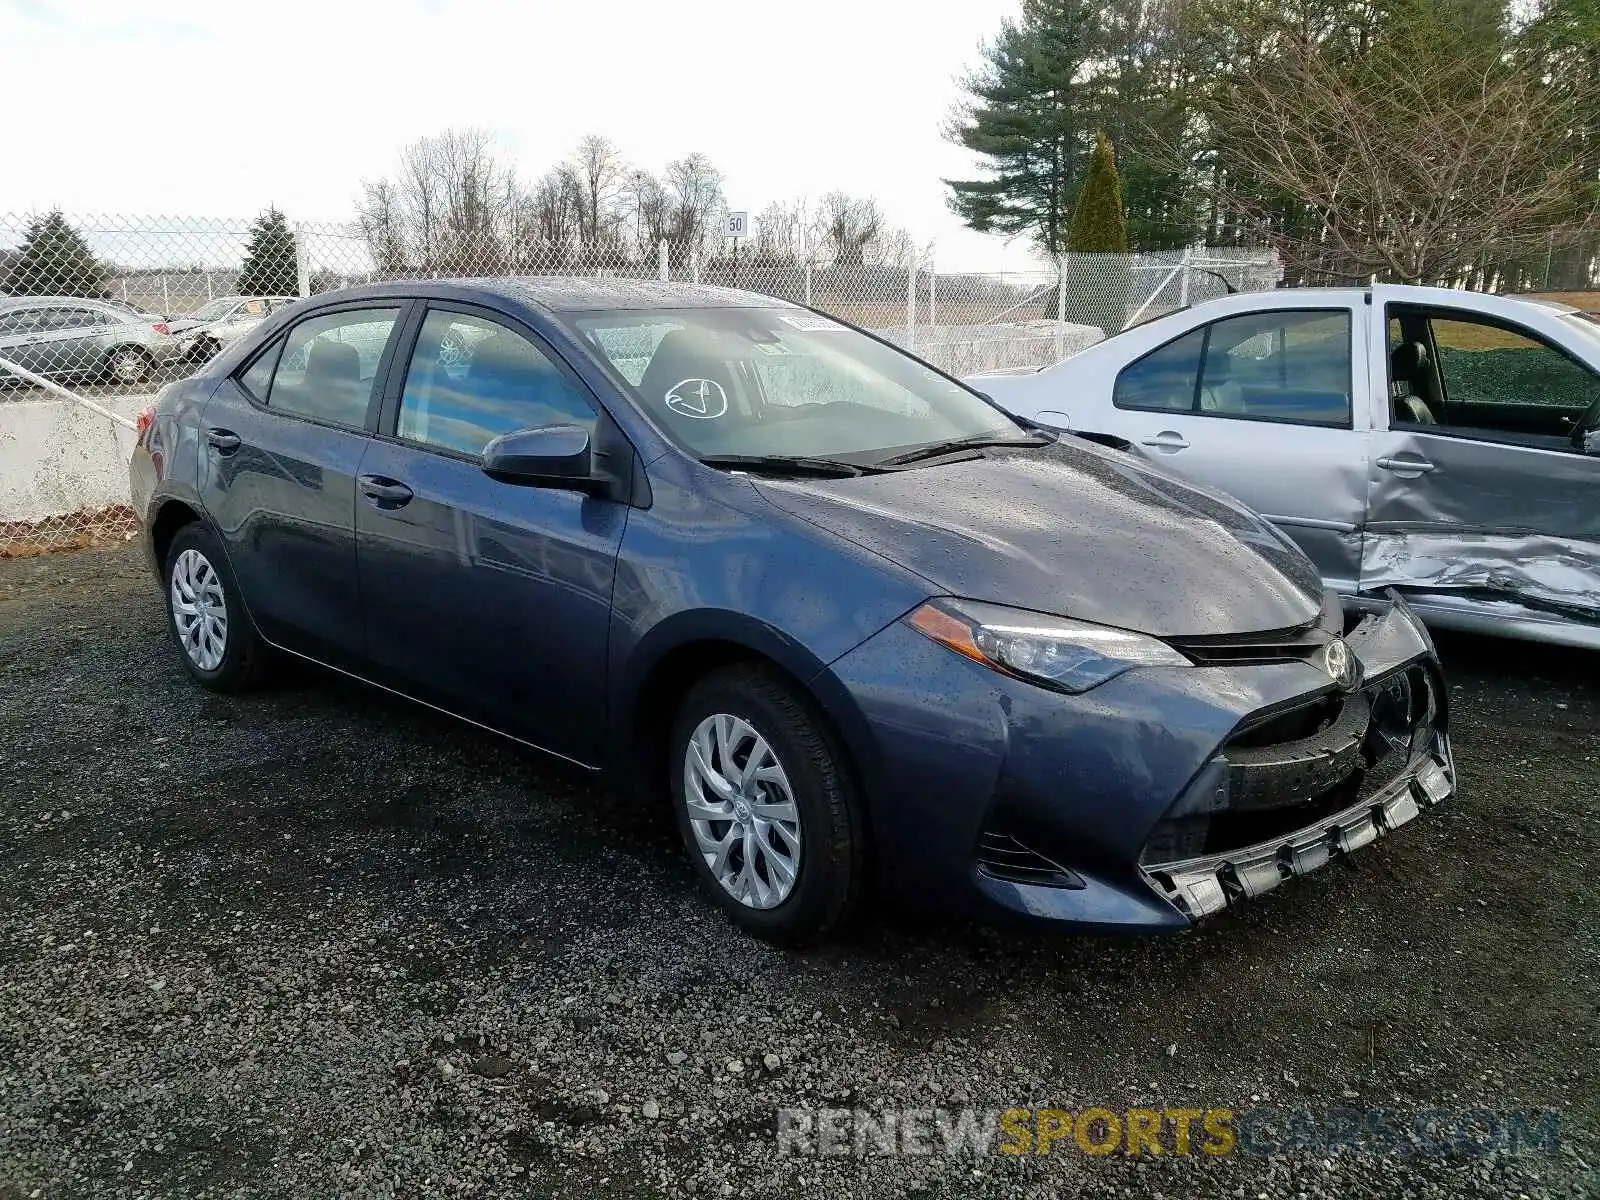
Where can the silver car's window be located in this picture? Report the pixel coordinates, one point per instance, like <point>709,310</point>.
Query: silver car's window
<point>1291,366</point>
<point>330,363</point>
<point>471,380</point>
<point>1467,374</point>
<point>782,381</point>
<point>1163,380</point>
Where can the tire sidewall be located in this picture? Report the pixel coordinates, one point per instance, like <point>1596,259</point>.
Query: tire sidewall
<point>232,670</point>
<point>816,776</point>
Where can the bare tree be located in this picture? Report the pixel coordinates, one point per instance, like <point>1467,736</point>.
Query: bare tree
<point>599,171</point>
<point>382,224</point>
<point>445,210</point>
<point>647,210</point>
<point>1417,159</point>
<point>850,224</point>
<point>694,189</point>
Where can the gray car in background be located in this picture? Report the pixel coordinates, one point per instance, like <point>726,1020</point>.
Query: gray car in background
<point>70,337</point>
<point>221,322</point>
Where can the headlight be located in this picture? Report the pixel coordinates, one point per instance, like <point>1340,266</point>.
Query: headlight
<point>1071,656</point>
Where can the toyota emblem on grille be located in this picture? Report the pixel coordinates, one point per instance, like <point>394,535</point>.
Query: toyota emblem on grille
<point>1336,662</point>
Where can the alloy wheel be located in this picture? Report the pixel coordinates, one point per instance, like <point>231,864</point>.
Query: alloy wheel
<point>128,366</point>
<point>742,811</point>
<point>199,610</point>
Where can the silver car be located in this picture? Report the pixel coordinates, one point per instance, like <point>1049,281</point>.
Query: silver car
<point>1442,443</point>
<point>223,321</point>
<point>69,337</point>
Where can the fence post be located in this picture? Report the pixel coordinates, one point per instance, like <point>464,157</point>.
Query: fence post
<point>124,289</point>
<point>808,282</point>
<point>694,263</point>
<point>933,295</point>
<point>911,308</point>
<point>1061,308</point>
<point>166,301</point>
<point>1183,280</point>
<point>661,261</point>
<point>209,296</point>
<point>301,267</point>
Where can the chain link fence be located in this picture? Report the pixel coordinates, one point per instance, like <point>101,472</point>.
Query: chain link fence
<point>97,312</point>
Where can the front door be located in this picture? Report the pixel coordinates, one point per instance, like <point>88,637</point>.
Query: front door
<point>490,599</point>
<point>279,453</point>
<point>1259,406</point>
<point>1477,488</point>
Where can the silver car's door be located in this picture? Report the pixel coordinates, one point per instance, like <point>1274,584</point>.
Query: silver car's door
<point>1479,493</point>
<point>1260,405</point>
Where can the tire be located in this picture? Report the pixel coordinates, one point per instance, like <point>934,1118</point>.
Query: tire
<point>205,350</point>
<point>128,364</point>
<point>197,575</point>
<point>823,849</point>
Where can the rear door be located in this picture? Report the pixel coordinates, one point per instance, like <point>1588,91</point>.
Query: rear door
<point>279,454</point>
<point>1259,405</point>
<point>490,599</point>
<point>1491,498</point>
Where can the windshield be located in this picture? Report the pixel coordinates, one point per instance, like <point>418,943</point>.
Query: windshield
<point>215,309</point>
<point>783,381</point>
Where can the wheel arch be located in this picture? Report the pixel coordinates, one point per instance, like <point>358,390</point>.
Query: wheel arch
<point>685,650</point>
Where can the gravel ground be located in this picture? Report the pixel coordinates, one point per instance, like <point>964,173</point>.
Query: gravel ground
<point>317,942</point>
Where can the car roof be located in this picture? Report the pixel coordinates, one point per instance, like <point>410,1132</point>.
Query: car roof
<point>9,302</point>
<point>557,293</point>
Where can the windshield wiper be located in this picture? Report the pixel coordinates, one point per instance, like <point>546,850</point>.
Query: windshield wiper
<point>976,442</point>
<point>784,464</point>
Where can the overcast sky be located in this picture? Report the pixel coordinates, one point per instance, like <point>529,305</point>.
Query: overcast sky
<point>220,108</point>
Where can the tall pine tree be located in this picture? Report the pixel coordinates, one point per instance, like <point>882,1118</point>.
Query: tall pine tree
<point>271,265</point>
<point>54,260</point>
<point>1027,120</point>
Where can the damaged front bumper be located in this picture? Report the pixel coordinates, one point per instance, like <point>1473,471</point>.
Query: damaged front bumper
<point>1305,783</point>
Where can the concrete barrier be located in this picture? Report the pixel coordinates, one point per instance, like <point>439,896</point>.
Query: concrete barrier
<point>57,457</point>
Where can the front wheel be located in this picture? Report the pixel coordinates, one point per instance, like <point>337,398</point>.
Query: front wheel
<point>220,647</point>
<point>765,805</point>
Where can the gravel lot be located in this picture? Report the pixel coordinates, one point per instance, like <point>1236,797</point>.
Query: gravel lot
<point>316,942</point>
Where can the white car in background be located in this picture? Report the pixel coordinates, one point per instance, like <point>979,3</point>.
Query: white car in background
<point>1442,443</point>
<point>221,322</point>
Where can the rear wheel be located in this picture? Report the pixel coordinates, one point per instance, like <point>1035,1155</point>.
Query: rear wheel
<point>220,647</point>
<point>765,805</point>
<point>129,364</point>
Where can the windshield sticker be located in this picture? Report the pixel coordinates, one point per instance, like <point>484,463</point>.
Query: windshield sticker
<point>702,399</point>
<point>776,349</point>
<point>810,322</point>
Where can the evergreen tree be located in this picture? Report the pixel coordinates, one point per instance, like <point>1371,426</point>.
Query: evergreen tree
<point>1098,286</point>
<point>271,266</point>
<point>1027,119</point>
<point>1099,224</point>
<point>54,260</point>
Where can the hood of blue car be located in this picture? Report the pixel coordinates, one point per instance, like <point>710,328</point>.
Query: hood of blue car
<point>1073,530</point>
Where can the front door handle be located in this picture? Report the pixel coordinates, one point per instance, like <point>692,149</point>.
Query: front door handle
<point>1167,441</point>
<point>386,492</point>
<point>224,441</point>
<point>1409,467</point>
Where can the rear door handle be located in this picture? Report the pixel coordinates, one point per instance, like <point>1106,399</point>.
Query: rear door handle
<point>386,492</point>
<point>1167,440</point>
<point>225,441</point>
<point>1406,466</point>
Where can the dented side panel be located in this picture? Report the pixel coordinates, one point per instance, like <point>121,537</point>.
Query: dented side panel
<point>1484,520</point>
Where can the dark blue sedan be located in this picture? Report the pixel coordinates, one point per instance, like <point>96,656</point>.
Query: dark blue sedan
<point>867,632</point>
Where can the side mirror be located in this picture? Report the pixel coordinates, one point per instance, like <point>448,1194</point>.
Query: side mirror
<point>550,456</point>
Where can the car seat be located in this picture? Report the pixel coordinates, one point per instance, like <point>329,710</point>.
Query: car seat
<point>1412,384</point>
<point>688,356</point>
<point>332,382</point>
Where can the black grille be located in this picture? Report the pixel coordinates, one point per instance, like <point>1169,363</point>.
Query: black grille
<point>1296,767</point>
<point>1001,855</point>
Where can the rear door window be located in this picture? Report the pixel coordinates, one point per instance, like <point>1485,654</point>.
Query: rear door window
<point>329,365</point>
